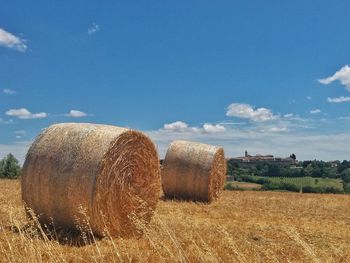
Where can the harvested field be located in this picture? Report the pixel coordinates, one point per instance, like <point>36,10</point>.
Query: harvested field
<point>246,226</point>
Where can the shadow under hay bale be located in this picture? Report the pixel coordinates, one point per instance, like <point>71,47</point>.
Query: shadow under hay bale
<point>193,171</point>
<point>110,173</point>
<point>63,236</point>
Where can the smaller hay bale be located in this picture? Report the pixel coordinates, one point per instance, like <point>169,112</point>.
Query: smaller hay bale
<point>193,171</point>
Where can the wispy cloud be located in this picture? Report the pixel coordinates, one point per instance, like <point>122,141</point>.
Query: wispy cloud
<point>275,129</point>
<point>93,29</point>
<point>288,115</point>
<point>293,117</point>
<point>23,113</point>
<point>343,75</point>
<point>315,111</point>
<point>9,91</point>
<point>309,98</point>
<point>76,114</point>
<point>338,99</point>
<point>21,132</point>
<point>246,111</point>
<point>5,122</point>
<point>9,40</point>
<point>347,118</point>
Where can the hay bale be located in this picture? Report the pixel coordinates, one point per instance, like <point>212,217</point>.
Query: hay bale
<point>111,172</point>
<point>193,171</point>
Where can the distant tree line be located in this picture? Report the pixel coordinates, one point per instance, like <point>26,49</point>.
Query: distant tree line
<point>314,168</point>
<point>9,167</point>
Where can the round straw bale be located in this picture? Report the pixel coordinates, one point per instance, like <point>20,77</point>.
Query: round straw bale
<point>107,175</point>
<point>193,171</point>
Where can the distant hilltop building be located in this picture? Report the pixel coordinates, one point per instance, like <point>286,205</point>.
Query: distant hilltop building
<point>249,159</point>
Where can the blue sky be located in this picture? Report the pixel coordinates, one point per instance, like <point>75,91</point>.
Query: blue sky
<point>266,76</point>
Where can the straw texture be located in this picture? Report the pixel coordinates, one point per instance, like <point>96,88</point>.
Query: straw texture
<point>106,174</point>
<point>193,171</point>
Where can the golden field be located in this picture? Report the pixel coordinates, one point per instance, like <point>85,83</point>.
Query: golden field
<point>242,226</point>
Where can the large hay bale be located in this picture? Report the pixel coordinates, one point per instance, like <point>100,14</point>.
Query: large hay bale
<point>111,172</point>
<point>193,171</point>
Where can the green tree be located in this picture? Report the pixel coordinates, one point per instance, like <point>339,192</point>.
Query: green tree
<point>9,167</point>
<point>347,188</point>
<point>346,163</point>
<point>306,163</point>
<point>345,176</point>
<point>274,170</point>
<point>341,168</point>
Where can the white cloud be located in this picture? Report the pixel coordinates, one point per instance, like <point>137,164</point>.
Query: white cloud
<point>315,111</point>
<point>9,91</point>
<point>23,113</point>
<point>176,126</point>
<point>11,41</point>
<point>213,128</point>
<point>93,29</point>
<point>338,100</point>
<point>246,111</point>
<point>76,114</point>
<point>309,98</point>
<point>182,127</point>
<point>343,75</point>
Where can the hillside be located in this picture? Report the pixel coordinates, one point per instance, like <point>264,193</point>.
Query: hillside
<point>246,226</point>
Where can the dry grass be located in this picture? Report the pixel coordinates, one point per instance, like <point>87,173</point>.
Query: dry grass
<point>239,227</point>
